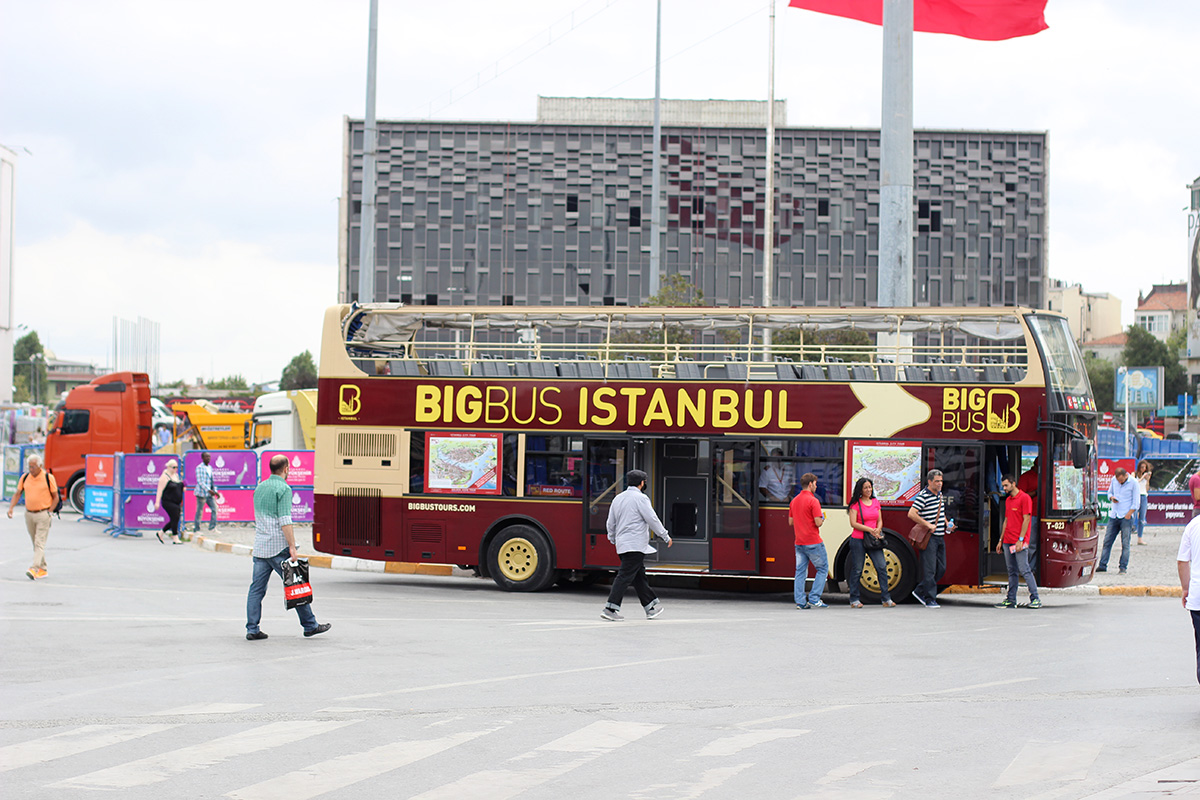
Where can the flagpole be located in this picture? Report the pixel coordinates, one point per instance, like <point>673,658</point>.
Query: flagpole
<point>896,157</point>
<point>656,164</point>
<point>366,249</point>
<point>769,220</point>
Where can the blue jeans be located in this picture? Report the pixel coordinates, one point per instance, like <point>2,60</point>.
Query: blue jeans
<point>1196,628</point>
<point>816,554</point>
<point>1018,564</point>
<point>1141,519</point>
<point>933,567</point>
<point>201,502</point>
<point>263,567</point>
<point>1125,526</point>
<point>858,557</point>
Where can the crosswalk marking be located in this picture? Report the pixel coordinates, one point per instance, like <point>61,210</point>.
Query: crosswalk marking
<point>206,708</point>
<point>337,773</point>
<point>158,768</point>
<point>689,790</point>
<point>1041,762</point>
<point>72,742</point>
<point>730,745</point>
<point>591,742</point>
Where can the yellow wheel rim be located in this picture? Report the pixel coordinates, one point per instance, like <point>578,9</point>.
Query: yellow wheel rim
<point>518,559</point>
<point>870,581</point>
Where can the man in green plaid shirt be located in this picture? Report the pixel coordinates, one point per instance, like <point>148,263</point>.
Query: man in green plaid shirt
<point>274,542</point>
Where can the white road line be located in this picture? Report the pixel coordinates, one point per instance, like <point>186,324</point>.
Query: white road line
<point>158,768</point>
<point>72,742</point>
<point>730,745</point>
<point>810,712</point>
<point>1008,682</point>
<point>343,771</point>
<point>590,743</point>
<point>709,779</point>
<point>849,770</point>
<point>521,677</point>
<point>206,708</point>
<point>1042,762</point>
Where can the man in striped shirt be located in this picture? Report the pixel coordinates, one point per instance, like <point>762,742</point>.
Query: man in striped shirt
<point>929,509</point>
<point>274,542</point>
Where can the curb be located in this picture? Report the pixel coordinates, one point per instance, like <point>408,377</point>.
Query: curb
<point>335,562</point>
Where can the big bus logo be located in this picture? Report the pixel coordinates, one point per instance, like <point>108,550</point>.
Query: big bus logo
<point>980,410</point>
<point>349,403</point>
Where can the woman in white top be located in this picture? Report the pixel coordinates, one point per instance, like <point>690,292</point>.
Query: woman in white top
<point>1142,474</point>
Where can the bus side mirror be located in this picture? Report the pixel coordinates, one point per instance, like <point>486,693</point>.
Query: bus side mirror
<point>1080,453</point>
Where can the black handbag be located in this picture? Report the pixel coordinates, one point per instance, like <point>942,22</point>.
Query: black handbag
<point>871,543</point>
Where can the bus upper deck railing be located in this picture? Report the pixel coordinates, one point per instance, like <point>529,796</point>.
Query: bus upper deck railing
<point>711,344</point>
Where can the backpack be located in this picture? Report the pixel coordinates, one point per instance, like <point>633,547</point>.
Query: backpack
<point>57,498</point>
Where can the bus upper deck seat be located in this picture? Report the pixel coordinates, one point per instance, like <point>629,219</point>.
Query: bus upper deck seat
<point>942,373</point>
<point>688,371</point>
<point>838,371</point>
<point>406,367</point>
<point>812,372</point>
<point>448,369</point>
<point>862,372</point>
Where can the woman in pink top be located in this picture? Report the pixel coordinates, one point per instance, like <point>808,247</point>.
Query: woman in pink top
<point>866,518</point>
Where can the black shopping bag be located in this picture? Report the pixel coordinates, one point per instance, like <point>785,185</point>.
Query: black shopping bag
<point>297,591</point>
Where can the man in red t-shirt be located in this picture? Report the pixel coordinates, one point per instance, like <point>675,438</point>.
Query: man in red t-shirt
<point>1014,544</point>
<point>805,514</point>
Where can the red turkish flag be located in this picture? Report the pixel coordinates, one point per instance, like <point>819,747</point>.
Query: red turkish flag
<point>990,20</point>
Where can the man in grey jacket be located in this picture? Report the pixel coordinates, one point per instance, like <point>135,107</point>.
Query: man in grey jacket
<point>630,520</point>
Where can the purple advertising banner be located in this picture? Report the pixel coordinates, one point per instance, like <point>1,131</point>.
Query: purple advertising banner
<point>302,505</point>
<point>1168,509</point>
<point>140,512</point>
<point>142,471</point>
<point>303,464</point>
<point>229,467</point>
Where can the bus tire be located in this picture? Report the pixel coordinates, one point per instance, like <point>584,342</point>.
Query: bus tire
<point>520,560</point>
<point>77,493</point>
<point>902,568</point>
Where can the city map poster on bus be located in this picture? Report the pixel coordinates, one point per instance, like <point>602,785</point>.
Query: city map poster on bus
<point>894,469</point>
<point>462,463</point>
<point>1068,486</point>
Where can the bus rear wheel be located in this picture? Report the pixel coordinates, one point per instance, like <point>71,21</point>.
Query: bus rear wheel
<point>519,560</point>
<point>901,572</point>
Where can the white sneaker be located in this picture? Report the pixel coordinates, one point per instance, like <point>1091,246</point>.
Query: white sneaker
<point>611,616</point>
<point>654,611</point>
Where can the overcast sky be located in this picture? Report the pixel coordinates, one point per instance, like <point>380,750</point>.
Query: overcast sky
<point>180,161</point>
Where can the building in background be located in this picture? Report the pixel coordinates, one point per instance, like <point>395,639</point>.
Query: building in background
<point>63,375</point>
<point>557,211</point>
<point>1110,348</point>
<point>1091,315</point>
<point>8,193</point>
<point>1164,310</point>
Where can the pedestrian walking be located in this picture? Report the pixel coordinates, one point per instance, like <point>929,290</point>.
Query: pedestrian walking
<point>929,509</point>
<point>806,518</point>
<point>631,517</point>
<point>169,497</point>
<point>1014,543</point>
<point>866,518</point>
<point>274,542</point>
<point>41,498</point>
<point>1142,474</point>
<point>1123,504</point>
<point>206,494</point>
<point>1189,579</point>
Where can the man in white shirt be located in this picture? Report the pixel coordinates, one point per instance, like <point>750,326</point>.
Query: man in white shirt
<point>631,517</point>
<point>1189,579</point>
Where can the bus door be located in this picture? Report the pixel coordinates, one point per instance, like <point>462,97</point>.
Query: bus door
<point>963,473</point>
<point>734,546</point>
<point>605,462</point>
<point>681,473</point>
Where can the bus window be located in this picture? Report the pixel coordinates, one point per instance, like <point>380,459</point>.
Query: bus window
<point>783,461</point>
<point>553,466</point>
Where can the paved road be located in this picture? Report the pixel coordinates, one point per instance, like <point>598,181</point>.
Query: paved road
<point>126,674</point>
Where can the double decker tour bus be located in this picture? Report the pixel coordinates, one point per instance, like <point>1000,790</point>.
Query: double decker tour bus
<point>496,438</point>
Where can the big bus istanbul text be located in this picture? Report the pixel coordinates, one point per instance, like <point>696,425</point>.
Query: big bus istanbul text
<point>980,410</point>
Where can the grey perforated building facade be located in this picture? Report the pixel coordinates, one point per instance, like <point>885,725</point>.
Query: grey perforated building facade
<point>555,212</point>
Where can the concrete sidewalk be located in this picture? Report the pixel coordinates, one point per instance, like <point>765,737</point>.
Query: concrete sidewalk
<point>1152,568</point>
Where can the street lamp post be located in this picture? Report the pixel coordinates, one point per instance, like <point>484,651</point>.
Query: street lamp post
<point>1123,372</point>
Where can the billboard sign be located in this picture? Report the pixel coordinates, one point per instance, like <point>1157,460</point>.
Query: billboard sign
<point>1144,386</point>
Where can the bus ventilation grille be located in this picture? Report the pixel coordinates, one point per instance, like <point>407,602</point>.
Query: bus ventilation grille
<point>367,445</point>
<point>358,517</point>
<point>425,533</point>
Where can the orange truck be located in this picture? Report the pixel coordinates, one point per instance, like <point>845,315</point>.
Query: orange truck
<point>112,414</point>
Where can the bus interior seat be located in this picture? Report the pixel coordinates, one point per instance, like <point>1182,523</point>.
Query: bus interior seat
<point>812,372</point>
<point>862,372</point>
<point>591,369</point>
<point>568,369</point>
<point>542,369</point>
<point>887,372</point>
<point>942,374</point>
<point>915,374</point>
<point>838,372</point>
<point>967,374</point>
<point>736,371</point>
<point>617,371</point>
<point>639,369</point>
<point>785,371</point>
<point>495,369</point>
<point>448,369</point>
<point>406,367</point>
<point>993,373</point>
<point>688,371</point>
<point>1015,373</point>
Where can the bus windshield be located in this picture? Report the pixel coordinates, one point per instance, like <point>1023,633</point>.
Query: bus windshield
<point>1065,373</point>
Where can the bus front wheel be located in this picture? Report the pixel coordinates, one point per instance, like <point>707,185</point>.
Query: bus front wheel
<point>902,569</point>
<point>519,560</point>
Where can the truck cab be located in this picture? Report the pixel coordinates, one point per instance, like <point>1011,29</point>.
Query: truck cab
<point>285,420</point>
<point>109,415</point>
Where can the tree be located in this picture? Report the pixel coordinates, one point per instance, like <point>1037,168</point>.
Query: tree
<point>1102,376</point>
<point>676,292</point>
<point>231,383</point>
<point>29,362</point>
<point>823,345</point>
<point>1143,349</point>
<point>300,373</point>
